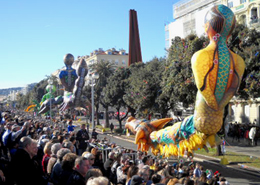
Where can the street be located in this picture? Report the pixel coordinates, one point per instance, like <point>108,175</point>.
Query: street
<point>232,176</point>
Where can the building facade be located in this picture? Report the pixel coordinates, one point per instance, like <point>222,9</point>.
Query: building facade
<point>245,111</point>
<point>118,58</point>
<point>246,11</point>
<point>189,16</point>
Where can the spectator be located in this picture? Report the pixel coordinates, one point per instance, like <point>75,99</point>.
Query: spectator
<point>111,127</point>
<point>144,173</point>
<point>54,149</point>
<point>46,157</point>
<point>82,138</point>
<point>113,175</point>
<point>133,170</point>
<point>8,129</point>
<point>57,166</point>
<point>95,172</point>
<point>40,145</point>
<point>203,179</point>
<point>69,145</point>
<point>188,181</point>
<point>73,140</point>
<point>137,180</point>
<point>66,167</point>
<point>197,171</point>
<point>156,179</point>
<point>94,134</point>
<point>98,181</point>
<point>223,181</point>
<point>108,164</point>
<point>14,137</point>
<point>23,166</point>
<point>70,126</point>
<point>81,168</point>
<point>144,161</point>
<point>90,157</point>
<point>122,170</point>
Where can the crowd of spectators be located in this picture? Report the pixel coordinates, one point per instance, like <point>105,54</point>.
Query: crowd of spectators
<point>41,152</point>
<point>240,131</point>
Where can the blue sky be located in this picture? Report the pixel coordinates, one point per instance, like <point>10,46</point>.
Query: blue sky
<point>35,35</point>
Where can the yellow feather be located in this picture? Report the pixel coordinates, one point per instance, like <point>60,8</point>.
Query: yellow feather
<point>197,139</point>
<point>187,145</point>
<point>175,151</point>
<point>181,148</point>
<point>171,149</point>
<point>192,143</point>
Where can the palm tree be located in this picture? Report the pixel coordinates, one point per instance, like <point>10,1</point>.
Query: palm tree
<point>103,69</point>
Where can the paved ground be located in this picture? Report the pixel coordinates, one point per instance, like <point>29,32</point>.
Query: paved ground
<point>243,147</point>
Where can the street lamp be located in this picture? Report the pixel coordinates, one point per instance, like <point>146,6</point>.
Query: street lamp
<point>93,78</point>
<point>50,82</point>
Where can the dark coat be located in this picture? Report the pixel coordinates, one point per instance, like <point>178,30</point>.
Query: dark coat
<point>76,179</point>
<point>26,170</point>
<point>82,137</point>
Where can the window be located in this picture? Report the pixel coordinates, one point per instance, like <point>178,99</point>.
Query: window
<point>242,20</point>
<point>230,4</point>
<point>116,61</point>
<point>242,1</point>
<point>123,62</point>
<point>189,27</point>
<point>254,18</point>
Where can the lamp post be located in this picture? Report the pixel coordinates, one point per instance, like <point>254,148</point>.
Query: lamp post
<point>50,86</point>
<point>92,102</point>
<point>93,77</point>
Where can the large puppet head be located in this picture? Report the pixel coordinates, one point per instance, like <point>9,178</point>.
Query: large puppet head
<point>51,88</point>
<point>220,21</point>
<point>68,59</point>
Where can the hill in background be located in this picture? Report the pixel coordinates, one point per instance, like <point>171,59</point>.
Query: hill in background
<point>5,92</point>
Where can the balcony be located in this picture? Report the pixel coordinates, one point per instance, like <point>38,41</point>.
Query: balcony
<point>186,6</point>
<point>254,23</point>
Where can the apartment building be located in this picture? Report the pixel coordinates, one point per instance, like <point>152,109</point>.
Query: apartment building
<point>118,57</point>
<point>189,16</point>
<point>246,11</point>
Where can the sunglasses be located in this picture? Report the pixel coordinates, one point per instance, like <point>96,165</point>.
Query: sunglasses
<point>92,159</point>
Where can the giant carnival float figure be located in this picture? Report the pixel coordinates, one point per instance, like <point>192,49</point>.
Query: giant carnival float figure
<point>217,72</point>
<point>73,81</point>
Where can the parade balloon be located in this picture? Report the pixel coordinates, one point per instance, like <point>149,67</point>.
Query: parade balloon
<point>217,72</point>
<point>73,81</point>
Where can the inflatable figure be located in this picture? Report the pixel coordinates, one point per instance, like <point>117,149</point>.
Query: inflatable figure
<point>73,81</point>
<point>50,89</point>
<point>218,72</point>
<point>69,75</point>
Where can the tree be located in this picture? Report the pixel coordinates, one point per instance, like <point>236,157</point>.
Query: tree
<point>104,69</point>
<point>143,87</point>
<point>178,81</point>
<point>245,42</point>
<point>115,91</point>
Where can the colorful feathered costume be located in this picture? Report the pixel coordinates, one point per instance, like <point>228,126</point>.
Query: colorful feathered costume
<point>218,72</point>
